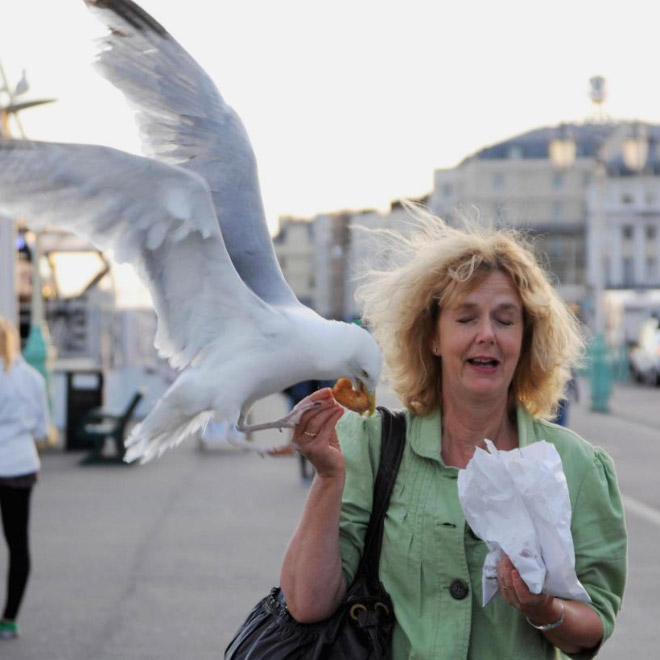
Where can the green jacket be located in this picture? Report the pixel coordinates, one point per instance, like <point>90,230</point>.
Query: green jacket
<point>430,556</point>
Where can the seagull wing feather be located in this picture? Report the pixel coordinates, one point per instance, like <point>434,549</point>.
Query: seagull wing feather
<point>183,120</point>
<point>156,216</point>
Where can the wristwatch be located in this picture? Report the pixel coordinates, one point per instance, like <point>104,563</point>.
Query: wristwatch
<point>554,624</point>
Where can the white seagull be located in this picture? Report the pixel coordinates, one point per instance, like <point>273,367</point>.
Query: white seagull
<point>189,217</point>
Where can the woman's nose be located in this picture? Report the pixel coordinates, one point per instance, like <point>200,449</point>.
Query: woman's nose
<point>486,332</point>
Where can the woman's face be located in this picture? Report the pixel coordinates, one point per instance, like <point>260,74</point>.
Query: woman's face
<point>479,338</point>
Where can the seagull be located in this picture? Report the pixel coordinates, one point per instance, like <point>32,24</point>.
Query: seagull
<point>188,216</point>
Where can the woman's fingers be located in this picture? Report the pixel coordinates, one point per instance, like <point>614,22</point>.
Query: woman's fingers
<point>504,569</point>
<point>313,415</point>
<point>316,424</point>
<point>519,587</point>
<point>505,581</point>
<point>514,589</point>
<point>321,447</point>
<point>315,436</point>
<point>320,395</point>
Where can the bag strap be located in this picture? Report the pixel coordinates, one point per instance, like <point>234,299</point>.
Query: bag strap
<point>391,451</point>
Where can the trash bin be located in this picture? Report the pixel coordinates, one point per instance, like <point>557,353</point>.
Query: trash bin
<point>84,392</point>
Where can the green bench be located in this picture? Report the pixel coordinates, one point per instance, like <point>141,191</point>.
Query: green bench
<point>100,426</point>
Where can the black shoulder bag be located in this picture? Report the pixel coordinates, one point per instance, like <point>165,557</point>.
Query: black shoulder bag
<point>361,628</point>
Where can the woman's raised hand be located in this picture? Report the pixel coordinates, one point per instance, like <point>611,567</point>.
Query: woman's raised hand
<point>315,436</point>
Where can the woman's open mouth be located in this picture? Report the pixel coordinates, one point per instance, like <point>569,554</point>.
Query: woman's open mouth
<point>484,364</point>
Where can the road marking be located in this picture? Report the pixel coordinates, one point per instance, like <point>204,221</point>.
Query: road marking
<point>642,510</point>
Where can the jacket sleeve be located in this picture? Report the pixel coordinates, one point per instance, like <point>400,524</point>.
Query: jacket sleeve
<point>600,539</point>
<point>360,440</point>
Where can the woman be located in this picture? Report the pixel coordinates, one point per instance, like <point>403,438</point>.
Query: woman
<point>23,417</point>
<point>478,345</point>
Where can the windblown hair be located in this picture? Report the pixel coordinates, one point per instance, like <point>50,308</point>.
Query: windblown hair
<point>8,342</point>
<point>431,267</point>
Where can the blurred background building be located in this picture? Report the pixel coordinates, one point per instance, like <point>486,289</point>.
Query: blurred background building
<point>598,211</point>
<point>587,193</point>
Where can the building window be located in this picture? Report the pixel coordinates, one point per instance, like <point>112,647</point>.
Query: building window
<point>607,266</point>
<point>515,152</point>
<point>447,190</point>
<point>651,270</point>
<point>628,271</point>
<point>627,198</point>
<point>627,232</point>
<point>586,179</point>
<point>651,232</point>
<point>499,181</point>
<point>557,211</point>
<point>558,180</point>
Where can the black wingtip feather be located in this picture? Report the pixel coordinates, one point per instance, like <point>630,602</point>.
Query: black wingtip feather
<point>132,13</point>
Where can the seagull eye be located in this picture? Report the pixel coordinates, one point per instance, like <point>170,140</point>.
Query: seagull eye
<point>365,374</point>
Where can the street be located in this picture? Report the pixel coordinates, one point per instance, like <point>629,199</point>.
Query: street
<point>164,561</point>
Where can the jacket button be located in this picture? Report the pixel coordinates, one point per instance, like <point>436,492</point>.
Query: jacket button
<point>458,589</point>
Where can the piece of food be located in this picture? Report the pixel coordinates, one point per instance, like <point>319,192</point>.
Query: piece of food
<point>359,401</point>
<point>285,450</point>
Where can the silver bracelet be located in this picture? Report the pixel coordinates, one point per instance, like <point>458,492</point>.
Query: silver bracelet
<point>554,624</point>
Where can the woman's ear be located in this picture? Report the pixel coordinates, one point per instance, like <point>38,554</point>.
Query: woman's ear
<point>434,344</point>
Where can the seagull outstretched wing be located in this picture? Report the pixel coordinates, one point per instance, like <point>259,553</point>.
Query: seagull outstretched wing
<point>158,217</point>
<point>189,217</point>
<point>183,120</point>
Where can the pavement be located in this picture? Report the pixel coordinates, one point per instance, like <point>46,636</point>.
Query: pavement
<point>165,560</point>
<point>630,433</point>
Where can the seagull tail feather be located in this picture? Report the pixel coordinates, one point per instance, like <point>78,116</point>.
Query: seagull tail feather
<point>163,429</point>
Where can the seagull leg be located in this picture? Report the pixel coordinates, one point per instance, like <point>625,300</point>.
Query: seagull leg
<point>286,422</point>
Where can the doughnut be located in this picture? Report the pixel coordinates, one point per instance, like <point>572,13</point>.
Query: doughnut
<point>344,394</point>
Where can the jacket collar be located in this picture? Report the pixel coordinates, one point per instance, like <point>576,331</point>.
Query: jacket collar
<point>426,433</point>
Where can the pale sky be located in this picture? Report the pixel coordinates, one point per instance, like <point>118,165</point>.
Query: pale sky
<point>352,103</point>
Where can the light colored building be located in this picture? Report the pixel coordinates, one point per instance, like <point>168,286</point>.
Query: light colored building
<point>294,249</point>
<point>365,249</point>
<point>322,257</point>
<point>598,205</point>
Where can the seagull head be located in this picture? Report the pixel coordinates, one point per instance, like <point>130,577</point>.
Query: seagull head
<point>363,363</point>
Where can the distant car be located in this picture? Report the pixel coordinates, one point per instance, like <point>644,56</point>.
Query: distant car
<point>645,355</point>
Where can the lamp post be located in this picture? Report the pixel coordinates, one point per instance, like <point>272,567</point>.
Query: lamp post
<point>600,364</point>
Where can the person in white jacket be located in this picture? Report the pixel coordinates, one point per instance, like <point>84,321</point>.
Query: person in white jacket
<point>24,417</point>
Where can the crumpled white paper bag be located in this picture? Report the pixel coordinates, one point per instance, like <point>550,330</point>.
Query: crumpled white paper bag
<point>517,501</point>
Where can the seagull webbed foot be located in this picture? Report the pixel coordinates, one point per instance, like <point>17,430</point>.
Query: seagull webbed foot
<point>286,422</point>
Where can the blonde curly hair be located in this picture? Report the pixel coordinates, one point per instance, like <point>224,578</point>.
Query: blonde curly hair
<point>432,266</point>
<point>8,342</point>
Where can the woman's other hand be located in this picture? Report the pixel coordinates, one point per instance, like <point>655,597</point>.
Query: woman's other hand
<point>515,591</point>
<point>581,628</point>
<point>315,435</point>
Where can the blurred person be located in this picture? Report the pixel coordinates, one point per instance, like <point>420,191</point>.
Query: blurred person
<point>24,418</point>
<point>477,344</point>
<point>571,394</point>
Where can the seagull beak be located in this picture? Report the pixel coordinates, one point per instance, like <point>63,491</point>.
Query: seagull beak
<point>371,397</point>
<point>372,402</point>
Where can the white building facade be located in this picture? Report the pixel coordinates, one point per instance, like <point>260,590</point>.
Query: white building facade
<point>595,212</point>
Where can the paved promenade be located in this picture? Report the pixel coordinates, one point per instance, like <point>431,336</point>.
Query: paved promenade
<point>164,561</point>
